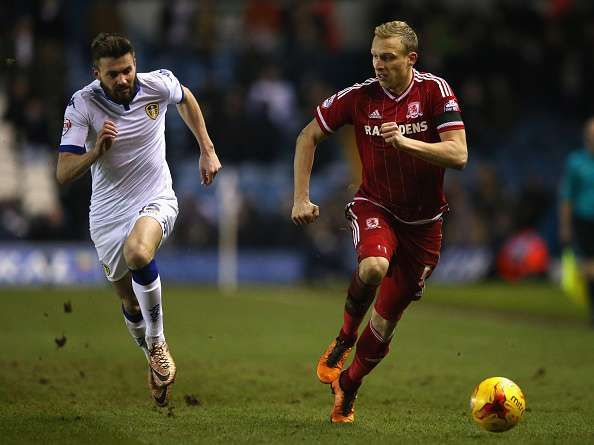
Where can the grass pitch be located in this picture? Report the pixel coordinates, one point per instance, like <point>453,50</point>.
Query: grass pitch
<point>246,368</point>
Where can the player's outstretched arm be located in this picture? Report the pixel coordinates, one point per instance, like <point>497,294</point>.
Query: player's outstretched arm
<point>304,211</point>
<point>190,112</point>
<point>450,152</point>
<point>72,166</point>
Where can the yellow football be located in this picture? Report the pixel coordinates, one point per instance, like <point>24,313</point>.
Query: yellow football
<point>497,404</point>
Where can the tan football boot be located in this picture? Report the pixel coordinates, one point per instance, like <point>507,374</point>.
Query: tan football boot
<point>332,360</point>
<point>161,394</point>
<point>343,410</point>
<point>161,364</point>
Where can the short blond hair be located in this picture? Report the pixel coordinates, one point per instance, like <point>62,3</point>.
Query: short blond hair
<point>399,29</point>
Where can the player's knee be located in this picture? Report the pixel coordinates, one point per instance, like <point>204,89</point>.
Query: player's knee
<point>372,270</point>
<point>384,328</point>
<point>137,254</point>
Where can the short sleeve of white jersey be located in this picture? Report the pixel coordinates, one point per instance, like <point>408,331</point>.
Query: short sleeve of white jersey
<point>76,126</point>
<point>172,86</point>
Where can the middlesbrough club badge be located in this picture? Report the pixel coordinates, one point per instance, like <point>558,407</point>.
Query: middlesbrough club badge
<point>414,110</point>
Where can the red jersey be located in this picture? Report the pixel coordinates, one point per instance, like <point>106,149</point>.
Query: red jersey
<point>409,187</point>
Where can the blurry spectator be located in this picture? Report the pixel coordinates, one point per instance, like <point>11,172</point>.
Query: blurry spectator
<point>13,225</point>
<point>232,131</point>
<point>35,127</point>
<point>263,22</point>
<point>271,108</point>
<point>534,200</point>
<point>177,24</point>
<point>193,228</point>
<point>312,91</point>
<point>18,92</point>
<point>325,242</point>
<point>50,22</point>
<point>274,96</point>
<point>576,214</point>
<point>463,226</point>
<point>492,205</point>
<point>24,41</point>
<point>103,16</point>
<point>311,36</point>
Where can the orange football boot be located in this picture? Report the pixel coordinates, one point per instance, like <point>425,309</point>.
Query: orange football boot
<point>343,410</point>
<point>332,360</point>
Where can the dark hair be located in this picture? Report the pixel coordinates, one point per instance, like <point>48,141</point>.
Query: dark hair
<point>109,45</point>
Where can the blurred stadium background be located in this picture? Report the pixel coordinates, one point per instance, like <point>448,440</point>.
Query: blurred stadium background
<point>522,71</point>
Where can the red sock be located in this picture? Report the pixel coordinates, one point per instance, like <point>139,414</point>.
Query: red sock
<point>370,351</point>
<point>359,298</point>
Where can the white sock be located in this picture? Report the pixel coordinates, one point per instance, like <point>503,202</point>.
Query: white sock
<point>149,299</point>
<point>137,331</point>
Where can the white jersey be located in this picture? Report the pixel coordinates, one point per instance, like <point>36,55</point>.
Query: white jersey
<point>133,171</point>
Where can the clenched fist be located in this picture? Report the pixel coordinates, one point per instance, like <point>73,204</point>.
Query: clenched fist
<point>304,212</point>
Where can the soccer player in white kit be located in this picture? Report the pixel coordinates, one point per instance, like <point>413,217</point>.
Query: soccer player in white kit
<point>116,127</point>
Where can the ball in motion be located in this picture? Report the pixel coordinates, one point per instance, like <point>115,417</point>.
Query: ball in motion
<point>497,404</point>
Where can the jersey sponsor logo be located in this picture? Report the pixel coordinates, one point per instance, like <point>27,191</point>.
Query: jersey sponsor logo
<point>375,114</point>
<point>67,126</point>
<point>372,223</point>
<point>152,110</point>
<point>451,105</point>
<point>415,127</point>
<point>414,110</point>
<point>328,102</point>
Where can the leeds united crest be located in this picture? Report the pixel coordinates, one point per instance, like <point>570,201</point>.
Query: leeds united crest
<point>152,110</point>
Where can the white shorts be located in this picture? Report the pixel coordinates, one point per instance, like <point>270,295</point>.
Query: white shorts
<point>109,239</point>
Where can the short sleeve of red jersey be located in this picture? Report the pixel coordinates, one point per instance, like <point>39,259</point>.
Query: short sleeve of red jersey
<point>336,111</point>
<point>445,107</point>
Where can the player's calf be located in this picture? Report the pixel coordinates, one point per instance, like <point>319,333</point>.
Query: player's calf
<point>359,298</point>
<point>383,327</point>
<point>371,349</point>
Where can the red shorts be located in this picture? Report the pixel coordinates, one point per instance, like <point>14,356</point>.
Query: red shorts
<point>412,250</point>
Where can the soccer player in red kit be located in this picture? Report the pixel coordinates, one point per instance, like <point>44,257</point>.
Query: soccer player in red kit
<point>408,130</point>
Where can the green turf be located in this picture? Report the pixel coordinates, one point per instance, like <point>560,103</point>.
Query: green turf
<point>249,360</point>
